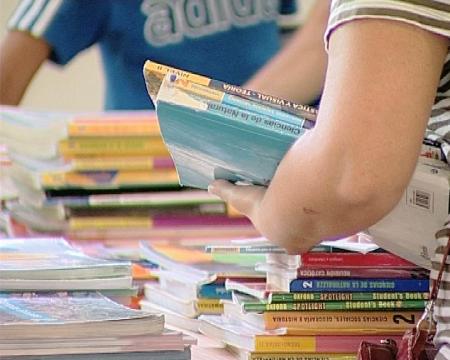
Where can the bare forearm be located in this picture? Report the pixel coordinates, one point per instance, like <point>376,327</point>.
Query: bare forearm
<point>20,57</point>
<point>352,169</point>
<point>297,73</point>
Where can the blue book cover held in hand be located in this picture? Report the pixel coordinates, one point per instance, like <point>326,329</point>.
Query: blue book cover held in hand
<point>214,134</point>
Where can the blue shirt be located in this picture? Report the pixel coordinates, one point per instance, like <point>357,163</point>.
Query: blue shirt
<point>224,39</point>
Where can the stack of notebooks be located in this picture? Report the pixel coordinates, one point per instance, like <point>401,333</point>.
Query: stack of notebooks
<point>53,305</point>
<point>103,176</point>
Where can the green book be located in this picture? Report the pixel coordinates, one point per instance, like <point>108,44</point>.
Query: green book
<point>335,305</point>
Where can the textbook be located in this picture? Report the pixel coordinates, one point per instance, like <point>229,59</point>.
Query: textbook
<point>261,307</point>
<point>78,315</point>
<point>362,285</point>
<point>249,355</point>
<point>280,341</point>
<point>198,121</point>
<point>354,321</point>
<point>53,259</point>
<point>52,264</point>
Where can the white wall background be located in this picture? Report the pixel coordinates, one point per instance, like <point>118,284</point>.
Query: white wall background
<point>77,86</point>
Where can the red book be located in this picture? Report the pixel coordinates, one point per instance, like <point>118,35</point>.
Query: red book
<point>327,260</point>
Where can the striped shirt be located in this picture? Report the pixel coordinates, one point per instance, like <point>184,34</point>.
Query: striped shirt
<point>434,16</point>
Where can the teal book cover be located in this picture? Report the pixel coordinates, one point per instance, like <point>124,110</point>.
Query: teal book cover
<point>212,134</point>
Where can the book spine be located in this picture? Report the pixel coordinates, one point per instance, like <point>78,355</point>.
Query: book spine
<point>235,109</point>
<point>112,146</point>
<point>328,260</point>
<point>360,273</point>
<point>360,285</point>
<point>209,306</point>
<point>305,111</point>
<point>149,222</point>
<point>293,356</point>
<point>99,128</point>
<point>214,291</point>
<point>236,101</point>
<point>285,344</point>
<point>108,179</point>
<point>107,163</point>
<point>335,305</point>
<point>323,320</point>
<point>346,296</point>
<point>238,249</point>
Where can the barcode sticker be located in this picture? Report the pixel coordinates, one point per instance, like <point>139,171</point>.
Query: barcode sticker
<point>420,199</point>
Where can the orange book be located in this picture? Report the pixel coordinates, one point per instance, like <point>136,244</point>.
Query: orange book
<point>114,124</point>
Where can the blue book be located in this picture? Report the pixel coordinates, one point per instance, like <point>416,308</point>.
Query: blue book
<point>214,291</point>
<point>359,285</point>
<point>212,134</point>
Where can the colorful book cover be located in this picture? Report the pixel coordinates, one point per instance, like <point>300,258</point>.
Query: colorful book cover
<point>53,258</point>
<point>193,263</point>
<point>61,315</point>
<point>186,110</point>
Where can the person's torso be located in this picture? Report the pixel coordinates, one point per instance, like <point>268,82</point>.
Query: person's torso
<point>227,40</point>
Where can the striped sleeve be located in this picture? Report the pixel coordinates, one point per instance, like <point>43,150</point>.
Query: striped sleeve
<point>432,15</point>
<point>68,26</point>
<point>34,16</point>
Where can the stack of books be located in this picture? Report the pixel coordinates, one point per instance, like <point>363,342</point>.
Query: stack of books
<point>58,303</point>
<point>325,301</point>
<point>103,176</point>
<point>47,264</point>
<point>79,325</point>
<point>192,282</point>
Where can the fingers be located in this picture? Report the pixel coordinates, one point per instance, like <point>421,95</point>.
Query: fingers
<point>244,198</point>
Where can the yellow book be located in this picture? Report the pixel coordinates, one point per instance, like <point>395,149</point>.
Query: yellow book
<point>113,146</point>
<point>109,222</point>
<point>109,179</point>
<point>299,356</point>
<point>209,306</point>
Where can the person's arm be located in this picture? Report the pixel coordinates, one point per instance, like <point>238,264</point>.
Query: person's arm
<point>305,58</point>
<point>21,55</point>
<point>351,170</point>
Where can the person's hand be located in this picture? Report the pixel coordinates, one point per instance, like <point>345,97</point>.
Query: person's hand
<point>247,199</point>
<point>244,198</point>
